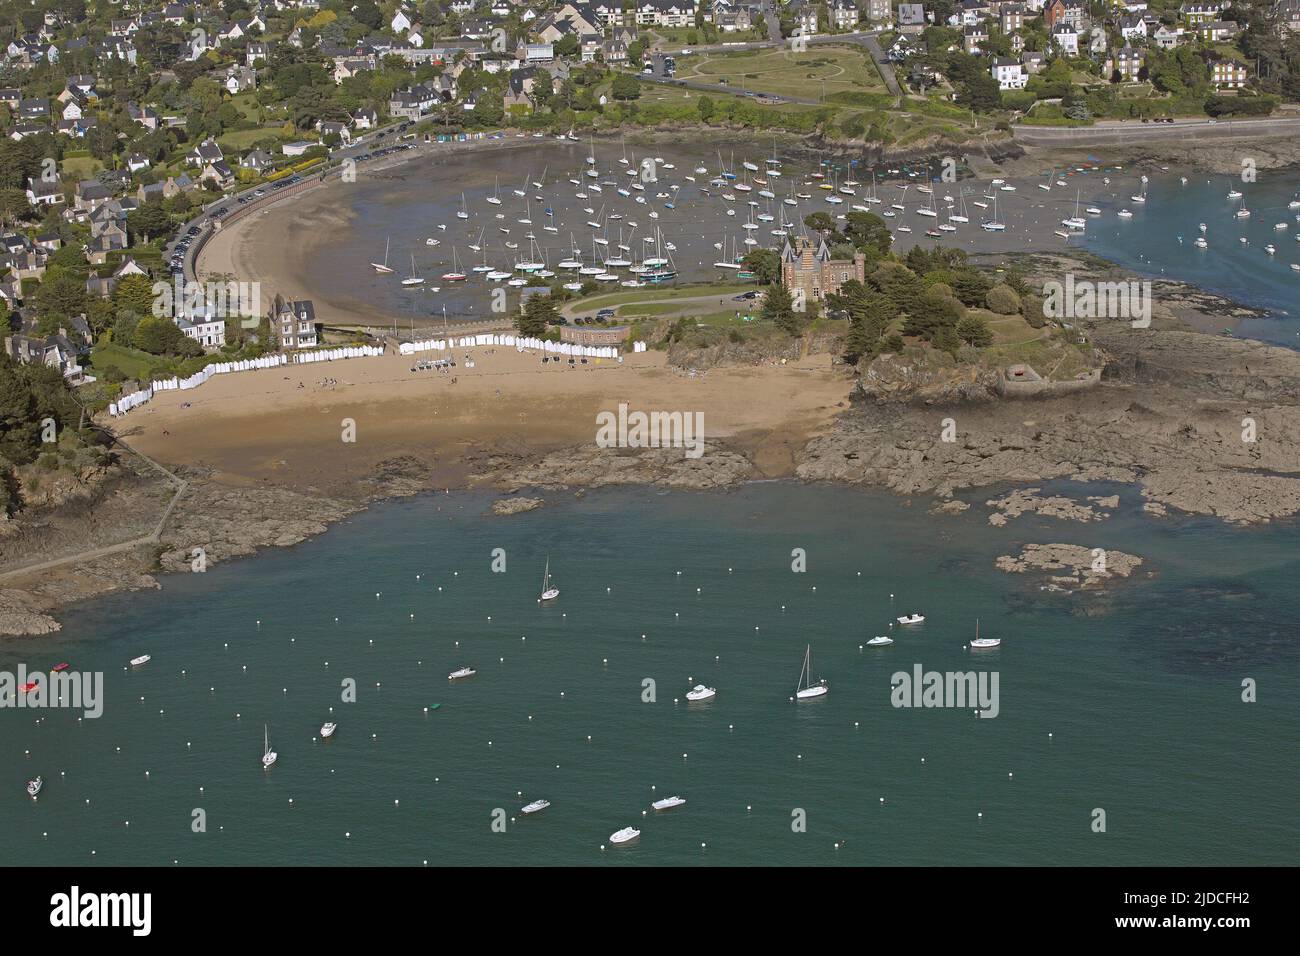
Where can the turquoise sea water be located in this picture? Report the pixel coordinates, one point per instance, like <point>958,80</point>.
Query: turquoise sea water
<point>1159,239</point>
<point>1135,709</point>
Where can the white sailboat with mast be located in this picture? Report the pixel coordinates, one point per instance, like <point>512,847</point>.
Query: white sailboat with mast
<point>548,593</point>
<point>807,690</point>
<point>383,268</point>
<point>269,756</point>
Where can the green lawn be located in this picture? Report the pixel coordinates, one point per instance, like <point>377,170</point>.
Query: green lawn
<point>79,168</point>
<point>828,69</point>
<point>242,139</point>
<point>131,362</point>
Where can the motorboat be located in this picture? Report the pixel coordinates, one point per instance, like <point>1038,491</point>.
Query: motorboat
<point>461,673</point>
<point>142,659</point>
<point>625,835</point>
<point>700,692</point>
<point>912,619</point>
<point>880,641</point>
<point>327,729</point>
<point>34,787</point>
<point>537,806</point>
<point>667,803</point>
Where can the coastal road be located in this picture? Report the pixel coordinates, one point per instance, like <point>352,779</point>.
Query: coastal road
<point>1126,132</point>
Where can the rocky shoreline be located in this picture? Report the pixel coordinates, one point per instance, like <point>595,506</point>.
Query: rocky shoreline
<point>1170,416</point>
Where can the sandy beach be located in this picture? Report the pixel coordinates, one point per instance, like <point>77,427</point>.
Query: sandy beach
<point>262,427</point>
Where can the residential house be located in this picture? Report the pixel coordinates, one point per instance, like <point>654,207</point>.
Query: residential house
<point>1009,72</point>
<point>1217,31</point>
<point>294,323</point>
<point>1229,74</point>
<point>1063,11</point>
<point>43,192</point>
<point>911,19</point>
<point>1066,39</point>
<point>1125,64</point>
<point>973,37</point>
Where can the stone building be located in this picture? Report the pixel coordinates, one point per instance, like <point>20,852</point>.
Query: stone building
<point>807,264</point>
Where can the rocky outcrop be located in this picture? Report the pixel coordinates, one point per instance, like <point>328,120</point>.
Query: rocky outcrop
<point>925,379</point>
<point>1071,565</point>
<point>1029,501</point>
<point>227,523</point>
<point>514,506</point>
<point>590,466</point>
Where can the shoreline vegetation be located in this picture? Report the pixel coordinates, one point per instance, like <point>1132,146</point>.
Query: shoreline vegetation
<point>264,465</point>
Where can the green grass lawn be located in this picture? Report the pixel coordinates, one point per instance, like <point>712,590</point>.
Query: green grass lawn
<point>807,74</point>
<point>131,362</point>
<point>79,168</point>
<point>241,139</point>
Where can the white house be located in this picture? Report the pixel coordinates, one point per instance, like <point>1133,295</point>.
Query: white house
<point>1009,73</point>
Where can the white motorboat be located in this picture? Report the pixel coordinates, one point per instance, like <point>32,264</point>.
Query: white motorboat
<point>142,659</point>
<point>807,690</point>
<point>625,835</point>
<point>549,593</point>
<point>912,619</point>
<point>537,806</point>
<point>269,756</point>
<point>1201,243</point>
<point>983,643</point>
<point>700,692</point>
<point>1124,214</point>
<point>34,787</point>
<point>461,673</point>
<point>880,641</point>
<point>327,729</point>
<point>667,803</point>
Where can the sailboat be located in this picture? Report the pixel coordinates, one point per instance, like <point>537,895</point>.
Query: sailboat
<point>983,642</point>
<point>413,279</point>
<point>1076,221</point>
<point>383,268</point>
<point>548,593</point>
<point>962,217</point>
<point>269,756</point>
<point>495,198</point>
<point>994,224</point>
<point>462,212</point>
<point>808,690</point>
<point>455,275</point>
